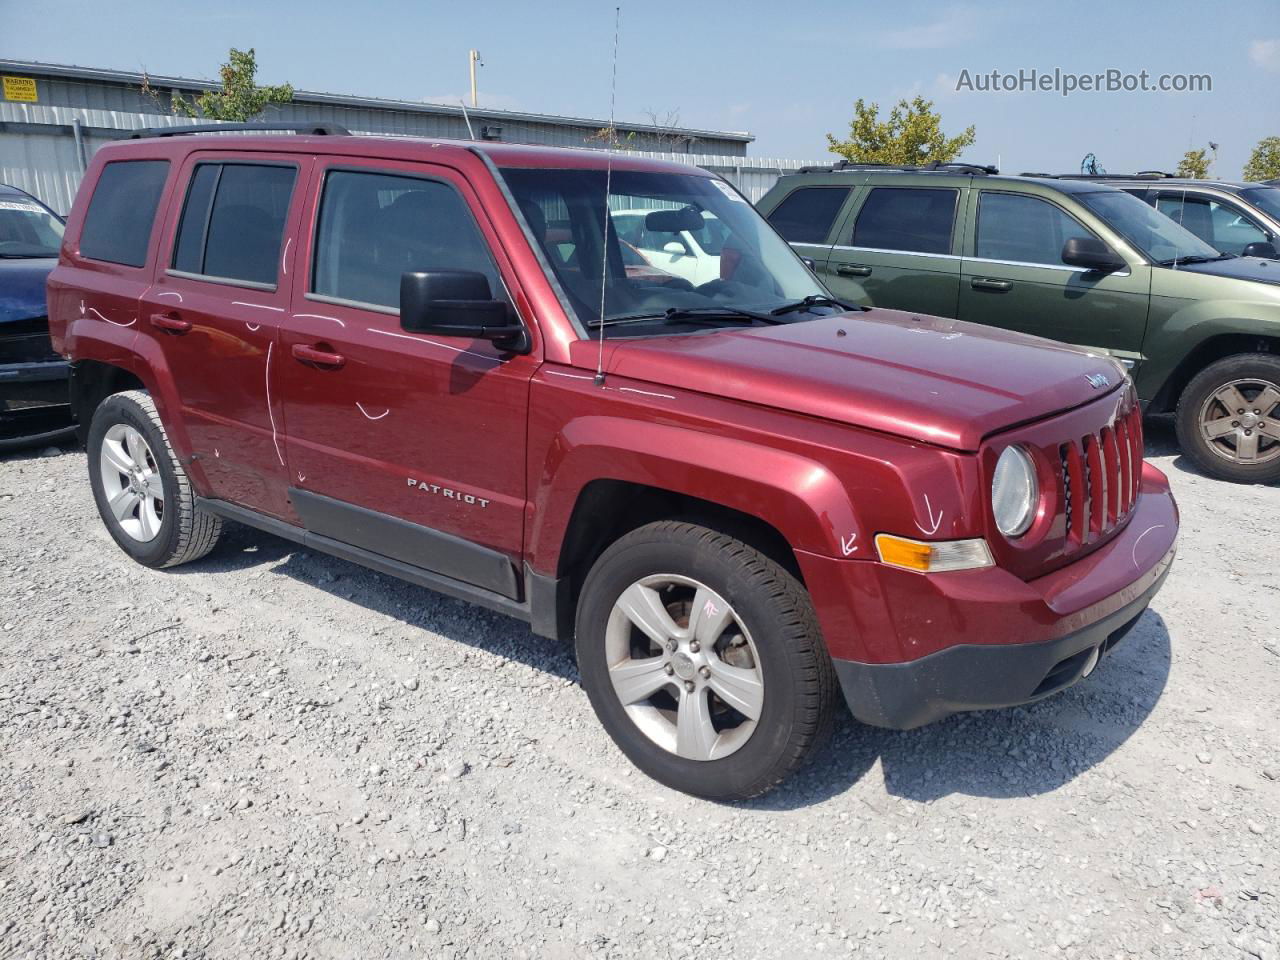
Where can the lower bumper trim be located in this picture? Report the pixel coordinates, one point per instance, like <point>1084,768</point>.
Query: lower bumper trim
<point>902,696</point>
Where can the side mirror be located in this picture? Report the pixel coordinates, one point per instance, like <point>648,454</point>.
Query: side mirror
<point>1091,254</point>
<point>674,248</point>
<point>1261,248</point>
<point>458,303</point>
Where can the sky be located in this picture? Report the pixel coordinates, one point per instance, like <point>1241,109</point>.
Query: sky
<point>786,72</point>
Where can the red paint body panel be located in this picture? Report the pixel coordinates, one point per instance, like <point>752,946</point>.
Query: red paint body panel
<point>830,431</point>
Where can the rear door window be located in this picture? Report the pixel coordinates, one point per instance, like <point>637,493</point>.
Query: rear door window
<point>233,222</point>
<point>806,215</point>
<point>1023,229</point>
<point>373,227</point>
<point>117,225</point>
<point>917,220</point>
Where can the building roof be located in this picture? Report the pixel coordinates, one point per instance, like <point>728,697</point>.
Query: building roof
<point>101,75</point>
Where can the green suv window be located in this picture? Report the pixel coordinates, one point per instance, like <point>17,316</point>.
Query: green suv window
<point>806,215</point>
<point>1023,229</point>
<point>906,218</point>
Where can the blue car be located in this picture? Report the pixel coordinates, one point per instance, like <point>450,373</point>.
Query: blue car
<point>33,379</point>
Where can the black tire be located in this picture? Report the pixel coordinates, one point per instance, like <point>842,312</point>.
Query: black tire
<point>185,532</point>
<point>1214,458</point>
<point>800,689</point>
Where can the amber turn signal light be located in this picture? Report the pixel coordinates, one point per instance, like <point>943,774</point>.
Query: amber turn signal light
<point>936,557</point>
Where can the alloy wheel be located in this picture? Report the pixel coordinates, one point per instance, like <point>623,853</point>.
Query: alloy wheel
<point>131,481</point>
<point>1240,422</point>
<point>684,667</point>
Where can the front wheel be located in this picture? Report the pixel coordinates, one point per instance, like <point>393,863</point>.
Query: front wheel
<point>1228,418</point>
<point>703,660</point>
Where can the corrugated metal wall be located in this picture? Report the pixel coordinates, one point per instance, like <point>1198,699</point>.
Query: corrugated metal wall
<point>39,154</point>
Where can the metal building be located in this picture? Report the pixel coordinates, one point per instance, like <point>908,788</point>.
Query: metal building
<point>53,117</point>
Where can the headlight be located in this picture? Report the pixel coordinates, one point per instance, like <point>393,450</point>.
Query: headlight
<point>1014,492</point>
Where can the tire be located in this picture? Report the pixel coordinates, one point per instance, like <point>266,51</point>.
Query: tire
<point>166,534</point>
<point>1203,409</point>
<point>756,622</point>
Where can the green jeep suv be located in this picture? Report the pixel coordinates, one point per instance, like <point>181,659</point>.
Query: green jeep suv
<point>1073,260</point>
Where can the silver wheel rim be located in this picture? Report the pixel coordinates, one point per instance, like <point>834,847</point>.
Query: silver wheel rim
<point>131,482</point>
<point>1240,421</point>
<point>684,667</point>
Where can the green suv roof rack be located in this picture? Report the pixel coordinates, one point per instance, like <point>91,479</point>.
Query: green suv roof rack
<point>1140,175</point>
<point>843,165</point>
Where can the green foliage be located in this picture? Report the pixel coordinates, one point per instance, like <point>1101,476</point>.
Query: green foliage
<point>239,99</point>
<point>912,134</point>
<point>1264,162</point>
<point>1195,164</point>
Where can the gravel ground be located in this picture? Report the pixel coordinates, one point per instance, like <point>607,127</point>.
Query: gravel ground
<point>272,753</point>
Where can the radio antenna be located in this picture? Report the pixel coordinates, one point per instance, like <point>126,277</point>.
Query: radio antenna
<point>608,183</point>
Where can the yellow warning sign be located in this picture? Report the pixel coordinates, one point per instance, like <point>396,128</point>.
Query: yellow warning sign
<point>20,88</point>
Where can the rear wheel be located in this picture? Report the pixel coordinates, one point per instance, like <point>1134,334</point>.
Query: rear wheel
<point>703,660</point>
<point>1228,418</point>
<point>142,491</point>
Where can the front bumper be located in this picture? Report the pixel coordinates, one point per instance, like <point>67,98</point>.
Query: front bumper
<point>983,639</point>
<point>34,402</point>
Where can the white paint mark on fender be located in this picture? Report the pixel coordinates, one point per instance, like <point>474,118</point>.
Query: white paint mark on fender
<point>370,415</point>
<point>270,413</point>
<point>254,327</point>
<point>82,308</point>
<point>319,316</point>
<point>567,376</point>
<point>113,322</point>
<point>216,453</point>
<point>644,393</point>
<point>170,293</point>
<point>257,306</point>
<point>301,477</point>
<point>1158,526</point>
<point>284,260</point>
<point>849,544</point>
<point>935,522</point>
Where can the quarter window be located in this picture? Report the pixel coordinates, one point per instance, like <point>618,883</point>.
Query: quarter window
<point>806,215</point>
<point>1023,229</point>
<point>906,218</point>
<point>374,227</point>
<point>233,221</point>
<point>117,226</point>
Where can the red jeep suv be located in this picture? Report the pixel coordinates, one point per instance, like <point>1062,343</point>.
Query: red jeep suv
<point>739,498</point>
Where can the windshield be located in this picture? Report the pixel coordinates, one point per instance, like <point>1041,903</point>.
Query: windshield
<point>27,230</point>
<point>1160,238</point>
<point>1266,199</point>
<point>675,243</point>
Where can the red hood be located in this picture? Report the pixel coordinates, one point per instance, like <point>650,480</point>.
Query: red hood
<point>926,378</point>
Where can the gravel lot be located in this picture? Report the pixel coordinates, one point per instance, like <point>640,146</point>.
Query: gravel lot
<point>272,753</point>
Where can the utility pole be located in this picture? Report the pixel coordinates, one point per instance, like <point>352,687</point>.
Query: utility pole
<point>473,60</point>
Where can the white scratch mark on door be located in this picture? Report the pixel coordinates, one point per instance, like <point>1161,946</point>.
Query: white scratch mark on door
<point>270,413</point>
<point>370,415</point>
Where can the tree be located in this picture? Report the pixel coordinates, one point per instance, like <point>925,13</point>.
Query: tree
<point>1264,162</point>
<point>239,99</point>
<point>1195,163</point>
<point>911,135</point>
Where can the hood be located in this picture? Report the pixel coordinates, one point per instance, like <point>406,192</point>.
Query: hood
<point>1238,268</point>
<point>22,287</point>
<point>939,381</point>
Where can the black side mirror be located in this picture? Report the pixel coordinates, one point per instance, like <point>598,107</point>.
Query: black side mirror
<point>1261,248</point>
<point>1091,254</point>
<point>458,303</point>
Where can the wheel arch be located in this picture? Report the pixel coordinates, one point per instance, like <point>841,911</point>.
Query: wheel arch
<point>1210,349</point>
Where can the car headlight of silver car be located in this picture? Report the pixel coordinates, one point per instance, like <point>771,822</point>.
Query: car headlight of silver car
<point>1015,492</point>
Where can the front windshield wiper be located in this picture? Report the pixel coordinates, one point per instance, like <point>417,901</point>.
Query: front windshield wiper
<point>1195,258</point>
<point>694,315</point>
<point>814,300</point>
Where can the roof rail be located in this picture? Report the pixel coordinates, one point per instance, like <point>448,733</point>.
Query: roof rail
<point>315,129</point>
<point>955,167</point>
<point>1140,175</point>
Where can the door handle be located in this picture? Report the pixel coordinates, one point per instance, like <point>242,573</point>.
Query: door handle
<point>169,323</point>
<point>851,270</point>
<point>995,286</point>
<point>316,357</point>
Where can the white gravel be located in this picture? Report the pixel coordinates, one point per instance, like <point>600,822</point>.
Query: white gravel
<point>272,753</point>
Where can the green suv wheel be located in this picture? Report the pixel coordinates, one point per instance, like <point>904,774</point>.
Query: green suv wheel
<point>1229,418</point>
